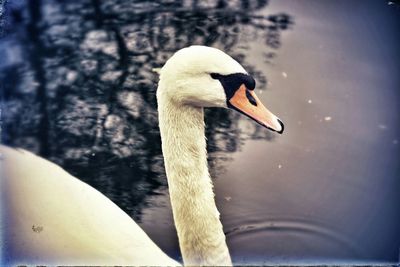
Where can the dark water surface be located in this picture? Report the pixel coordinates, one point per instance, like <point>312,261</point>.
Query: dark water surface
<point>78,88</point>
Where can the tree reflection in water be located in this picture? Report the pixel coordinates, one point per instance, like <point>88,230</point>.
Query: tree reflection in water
<point>78,86</point>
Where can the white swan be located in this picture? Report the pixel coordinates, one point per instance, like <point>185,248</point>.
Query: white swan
<point>50,217</point>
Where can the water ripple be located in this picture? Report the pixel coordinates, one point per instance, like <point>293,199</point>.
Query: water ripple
<point>310,228</point>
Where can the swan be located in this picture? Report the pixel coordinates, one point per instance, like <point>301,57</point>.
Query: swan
<point>50,217</point>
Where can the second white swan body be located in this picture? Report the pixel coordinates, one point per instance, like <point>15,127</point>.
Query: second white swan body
<point>50,217</point>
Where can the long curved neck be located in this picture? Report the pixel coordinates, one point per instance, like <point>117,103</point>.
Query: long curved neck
<point>200,233</point>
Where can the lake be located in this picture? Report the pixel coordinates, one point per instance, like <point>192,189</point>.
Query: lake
<point>78,88</point>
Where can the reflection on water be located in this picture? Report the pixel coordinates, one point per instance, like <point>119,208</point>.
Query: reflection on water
<point>79,89</point>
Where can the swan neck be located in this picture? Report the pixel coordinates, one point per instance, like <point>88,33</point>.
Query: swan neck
<point>199,229</point>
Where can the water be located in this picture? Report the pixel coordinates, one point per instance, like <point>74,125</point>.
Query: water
<point>78,88</point>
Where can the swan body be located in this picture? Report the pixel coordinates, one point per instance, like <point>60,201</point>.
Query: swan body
<point>51,217</point>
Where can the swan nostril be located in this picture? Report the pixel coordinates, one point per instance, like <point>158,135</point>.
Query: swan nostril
<point>251,98</point>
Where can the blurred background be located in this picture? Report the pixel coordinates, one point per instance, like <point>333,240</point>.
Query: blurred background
<point>77,88</point>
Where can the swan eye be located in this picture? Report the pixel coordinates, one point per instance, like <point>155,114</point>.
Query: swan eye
<point>215,76</point>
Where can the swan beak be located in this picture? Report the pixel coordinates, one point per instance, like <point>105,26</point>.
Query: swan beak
<point>246,101</point>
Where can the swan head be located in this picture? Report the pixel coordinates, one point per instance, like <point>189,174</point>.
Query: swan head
<point>207,77</point>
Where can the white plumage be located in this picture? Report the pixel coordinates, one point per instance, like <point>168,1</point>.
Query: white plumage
<point>50,217</point>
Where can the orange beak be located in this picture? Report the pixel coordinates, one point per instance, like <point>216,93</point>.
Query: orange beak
<point>247,102</point>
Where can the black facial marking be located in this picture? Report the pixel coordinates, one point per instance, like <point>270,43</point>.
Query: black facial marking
<point>232,82</point>
<point>251,98</point>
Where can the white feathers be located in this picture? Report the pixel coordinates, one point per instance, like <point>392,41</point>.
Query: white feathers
<point>52,218</point>
<point>186,87</point>
<point>185,77</point>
